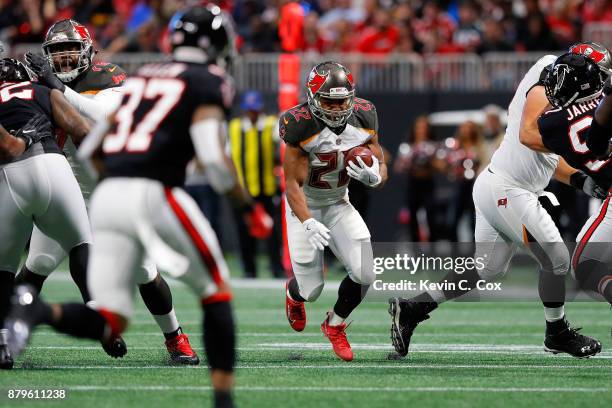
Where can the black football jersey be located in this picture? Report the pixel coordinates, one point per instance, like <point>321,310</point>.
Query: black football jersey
<point>563,133</point>
<point>150,137</point>
<point>98,77</point>
<point>19,102</point>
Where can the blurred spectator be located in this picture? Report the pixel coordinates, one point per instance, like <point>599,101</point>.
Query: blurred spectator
<point>435,26</point>
<point>563,22</point>
<point>597,11</point>
<point>461,162</point>
<point>342,10</point>
<point>493,39</point>
<point>414,159</point>
<point>538,36</point>
<point>254,147</point>
<point>467,35</point>
<point>314,39</point>
<point>382,37</point>
<point>493,131</point>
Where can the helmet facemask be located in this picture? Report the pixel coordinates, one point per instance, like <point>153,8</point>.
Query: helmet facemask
<point>333,109</point>
<point>68,59</point>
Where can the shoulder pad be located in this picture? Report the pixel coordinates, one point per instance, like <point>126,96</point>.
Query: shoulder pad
<point>297,124</point>
<point>365,114</point>
<point>101,75</point>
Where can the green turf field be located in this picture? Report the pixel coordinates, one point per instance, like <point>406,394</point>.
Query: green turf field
<point>467,355</point>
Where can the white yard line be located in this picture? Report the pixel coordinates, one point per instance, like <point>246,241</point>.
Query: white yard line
<point>349,366</point>
<point>339,389</point>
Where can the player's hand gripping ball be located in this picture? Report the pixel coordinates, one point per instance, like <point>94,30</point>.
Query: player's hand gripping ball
<point>362,165</point>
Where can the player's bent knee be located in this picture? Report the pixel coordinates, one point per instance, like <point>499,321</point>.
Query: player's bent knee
<point>311,294</point>
<point>220,336</point>
<point>42,264</point>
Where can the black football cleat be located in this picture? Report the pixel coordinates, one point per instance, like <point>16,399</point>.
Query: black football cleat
<point>6,361</point>
<point>115,347</point>
<point>20,322</point>
<point>570,341</point>
<point>405,316</point>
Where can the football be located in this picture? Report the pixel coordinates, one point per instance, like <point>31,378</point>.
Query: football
<point>361,151</point>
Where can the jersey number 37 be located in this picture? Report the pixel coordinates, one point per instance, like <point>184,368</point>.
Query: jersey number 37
<point>137,138</point>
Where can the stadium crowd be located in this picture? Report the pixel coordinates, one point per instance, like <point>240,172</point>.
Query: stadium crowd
<point>366,26</point>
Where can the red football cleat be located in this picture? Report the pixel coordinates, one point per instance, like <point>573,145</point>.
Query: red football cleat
<point>296,313</point>
<point>337,337</point>
<point>180,350</point>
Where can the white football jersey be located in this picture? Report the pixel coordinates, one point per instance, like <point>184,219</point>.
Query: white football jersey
<point>514,161</point>
<point>327,177</point>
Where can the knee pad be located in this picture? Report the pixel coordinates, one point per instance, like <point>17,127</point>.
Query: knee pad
<point>313,293</point>
<point>560,261</point>
<point>147,273</point>
<point>42,264</point>
<point>492,272</point>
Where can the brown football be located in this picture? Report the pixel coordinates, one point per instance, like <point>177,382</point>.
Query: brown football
<point>361,151</point>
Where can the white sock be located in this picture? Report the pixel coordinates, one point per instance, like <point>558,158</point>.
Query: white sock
<point>554,314</point>
<point>3,336</point>
<point>168,323</point>
<point>335,320</point>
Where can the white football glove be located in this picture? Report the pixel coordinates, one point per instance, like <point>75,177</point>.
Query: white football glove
<point>318,234</point>
<point>370,176</point>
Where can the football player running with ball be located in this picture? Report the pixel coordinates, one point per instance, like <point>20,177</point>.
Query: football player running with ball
<point>318,135</point>
<point>95,89</point>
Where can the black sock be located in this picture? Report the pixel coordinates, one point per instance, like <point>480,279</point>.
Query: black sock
<point>173,334</point>
<point>28,277</point>
<point>81,321</point>
<point>157,296</point>
<point>294,290</point>
<point>556,327</point>
<point>220,336</point>
<point>223,399</point>
<point>6,291</point>
<point>350,294</point>
<point>78,269</point>
<point>551,288</point>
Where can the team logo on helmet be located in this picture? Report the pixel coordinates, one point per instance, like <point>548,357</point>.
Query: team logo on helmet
<point>316,81</point>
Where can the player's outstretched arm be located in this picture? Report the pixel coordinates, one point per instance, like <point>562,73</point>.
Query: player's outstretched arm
<point>535,105</point>
<point>295,167</point>
<point>578,179</point>
<point>67,117</point>
<point>10,146</point>
<point>378,152</point>
<point>98,108</point>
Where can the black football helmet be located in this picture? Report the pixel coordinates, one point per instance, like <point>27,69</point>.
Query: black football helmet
<point>12,70</point>
<point>330,83</point>
<point>69,49</point>
<point>572,78</point>
<point>202,34</point>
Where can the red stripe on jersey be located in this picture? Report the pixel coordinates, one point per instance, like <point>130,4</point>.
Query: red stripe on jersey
<point>191,230</point>
<point>590,231</point>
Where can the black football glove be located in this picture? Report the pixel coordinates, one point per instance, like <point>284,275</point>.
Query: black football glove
<point>37,128</point>
<point>581,181</point>
<point>40,65</point>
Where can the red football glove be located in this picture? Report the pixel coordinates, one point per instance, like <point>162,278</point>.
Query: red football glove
<point>260,223</point>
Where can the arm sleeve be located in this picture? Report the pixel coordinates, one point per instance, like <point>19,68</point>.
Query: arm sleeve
<point>98,108</point>
<point>210,152</point>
